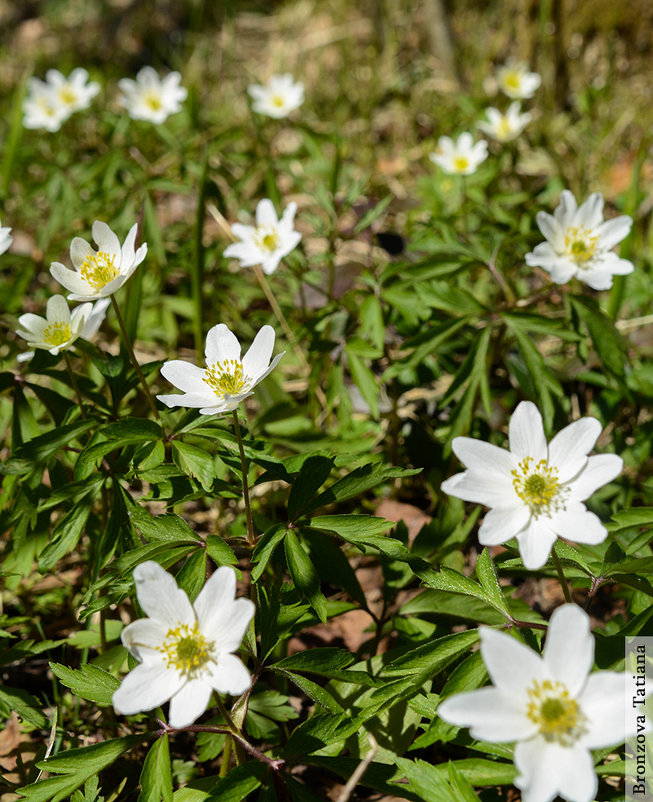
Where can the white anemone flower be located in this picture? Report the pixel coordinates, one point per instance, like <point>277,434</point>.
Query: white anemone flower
<point>73,92</point>
<point>535,491</point>
<point>185,650</point>
<point>98,274</point>
<point>505,127</point>
<point>5,239</point>
<point>58,330</point>
<point>549,704</point>
<point>269,241</point>
<point>461,157</point>
<point>278,98</point>
<point>91,327</point>
<point>579,242</point>
<point>227,379</point>
<point>42,107</point>
<point>151,98</point>
<point>517,82</point>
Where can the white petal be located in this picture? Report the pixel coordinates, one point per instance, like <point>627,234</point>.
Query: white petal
<point>223,618</point>
<point>502,523</point>
<point>602,701</point>
<point>577,779</point>
<point>230,675</point>
<point>80,250</point>
<point>270,263</point>
<point>189,703</point>
<point>613,231</point>
<point>194,400</point>
<point>566,211</point>
<point>526,432</point>
<point>266,372</point>
<point>266,215</point>
<point>481,456</point>
<point>547,769</point>
<point>590,213</point>
<point>490,715</point>
<point>160,597</point>
<point>57,309</point>
<point>146,687</point>
<point>288,217</point>
<point>549,227</point>
<point>512,666</point>
<point>185,376</point>
<point>569,647</point>
<point>143,639</point>
<point>221,344</point>
<point>535,543</point>
<point>490,488</point>
<point>579,524</point>
<point>544,256</point>
<point>563,270</point>
<point>569,448</point>
<point>71,280</point>
<point>257,358</point>
<point>127,253</point>
<point>600,470</point>
<point>106,240</point>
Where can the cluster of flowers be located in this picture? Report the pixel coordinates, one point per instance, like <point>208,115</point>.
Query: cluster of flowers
<point>50,103</point>
<point>549,704</point>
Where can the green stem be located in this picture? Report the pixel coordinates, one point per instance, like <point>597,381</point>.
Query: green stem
<point>73,381</point>
<point>561,576</point>
<point>130,351</point>
<point>226,755</point>
<point>251,536</point>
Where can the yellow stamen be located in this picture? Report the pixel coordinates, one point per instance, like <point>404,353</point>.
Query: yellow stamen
<point>98,269</point>
<point>512,79</point>
<point>461,163</point>
<point>226,377</point>
<point>67,95</point>
<point>557,715</point>
<point>267,240</point>
<point>57,334</point>
<point>186,649</point>
<point>278,101</point>
<point>153,100</point>
<point>580,245</point>
<point>537,485</point>
<point>504,129</point>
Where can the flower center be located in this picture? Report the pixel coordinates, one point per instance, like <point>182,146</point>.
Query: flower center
<point>461,162</point>
<point>98,269</point>
<point>153,100</point>
<point>504,129</point>
<point>226,377</point>
<point>580,245</point>
<point>512,79</point>
<point>186,649</point>
<point>47,107</point>
<point>267,239</point>
<point>537,485</point>
<point>67,95</point>
<point>57,334</point>
<point>557,715</point>
<point>278,101</point>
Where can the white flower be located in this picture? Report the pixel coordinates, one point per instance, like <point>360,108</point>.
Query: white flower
<point>462,156</point>
<point>5,239</point>
<point>186,650</point>
<point>535,490</point>
<point>505,127</point>
<point>268,242</point>
<point>227,379</point>
<point>72,92</point>
<point>151,98</point>
<point>278,98</point>
<point>42,108</point>
<point>550,704</point>
<point>58,330</point>
<point>579,243</point>
<point>98,274</point>
<point>517,82</point>
<point>91,327</point>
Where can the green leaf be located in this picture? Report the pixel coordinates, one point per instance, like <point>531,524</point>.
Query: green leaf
<point>425,661</point>
<point>128,431</point>
<point>156,777</point>
<point>365,380</point>
<point>194,462</point>
<point>350,525</point>
<point>75,767</point>
<point>235,787</point>
<point>487,576</point>
<point>219,551</point>
<point>23,703</point>
<point>609,344</point>
<point>323,661</point>
<point>312,475</point>
<point>304,575</point>
<point>314,691</point>
<point>358,482</point>
<point>192,574</point>
<point>89,682</point>
<point>40,449</point>
<point>65,536</point>
<point>319,731</point>
<point>265,547</point>
<point>372,214</point>
<point>453,582</point>
<point>441,783</point>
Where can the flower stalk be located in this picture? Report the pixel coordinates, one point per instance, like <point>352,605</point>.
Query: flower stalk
<point>251,535</point>
<point>561,575</point>
<point>74,384</point>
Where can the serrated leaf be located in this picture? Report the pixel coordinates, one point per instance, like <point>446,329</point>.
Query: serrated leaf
<point>129,431</point>
<point>365,380</point>
<point>89,682</point>
<point>314,472</point>
<point>314,691</point>
<point>40,449</point>
<point>608,342</point>
<point>74,767</point>
<point>23,703</point>
<point>358,482</point>
<point>195,462</point>
<point>487,576</point>
<point>454,582</point>
<point>304,575</point>
<point>350,525</point>
<point>219,551</point>
<point>265,547</point>
<point>156,777</point>
<point>65,536</point>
